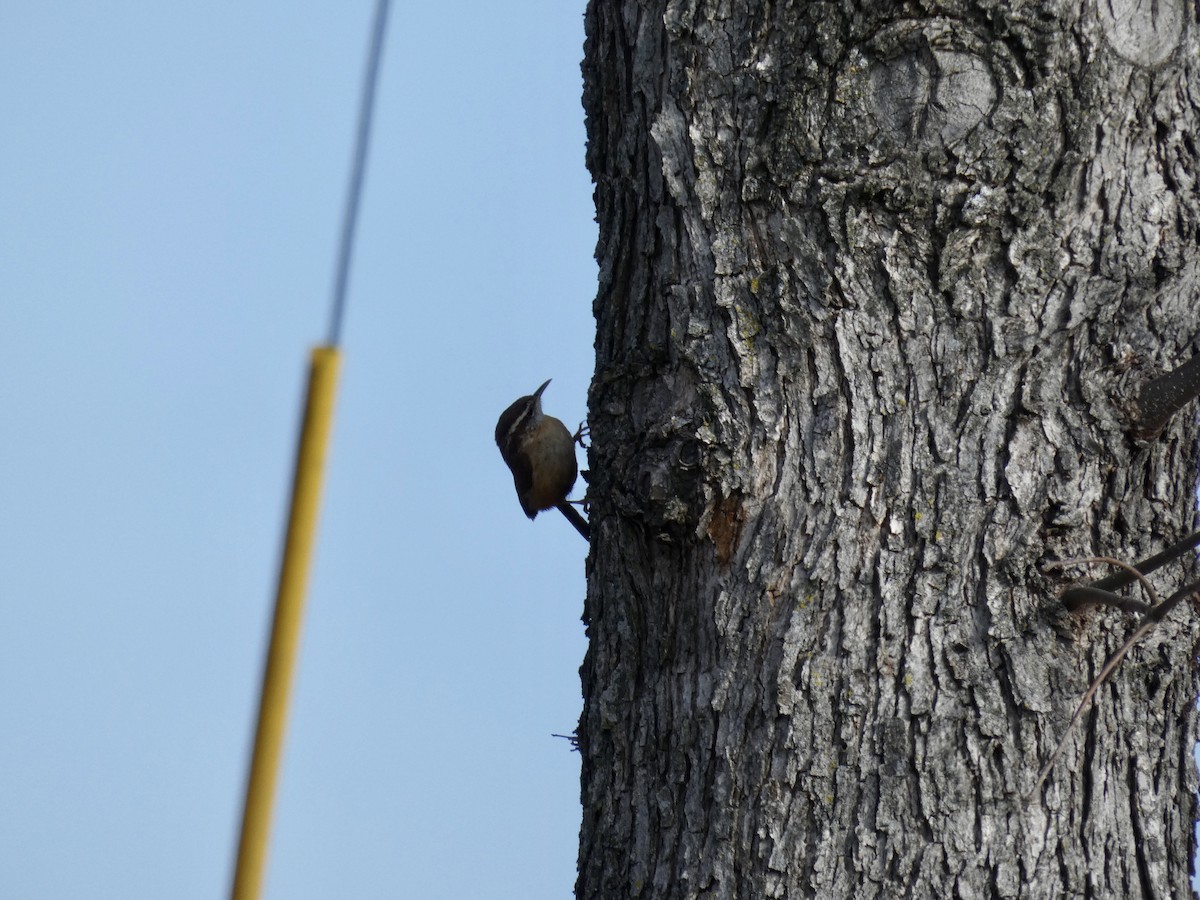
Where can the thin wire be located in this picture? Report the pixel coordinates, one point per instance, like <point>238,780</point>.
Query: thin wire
<point>362,139</point>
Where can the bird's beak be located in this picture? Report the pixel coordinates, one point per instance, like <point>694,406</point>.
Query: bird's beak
<point>538,392</point>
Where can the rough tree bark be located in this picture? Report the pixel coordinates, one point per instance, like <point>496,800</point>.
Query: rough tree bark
<point>878,286</point>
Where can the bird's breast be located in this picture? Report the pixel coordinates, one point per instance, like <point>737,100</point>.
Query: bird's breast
<point>552,455</point>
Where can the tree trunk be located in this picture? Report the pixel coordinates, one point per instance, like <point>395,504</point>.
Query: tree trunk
<point>876,298</point>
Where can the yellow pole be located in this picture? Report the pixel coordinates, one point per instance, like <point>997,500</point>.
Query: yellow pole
<point>285,633</point>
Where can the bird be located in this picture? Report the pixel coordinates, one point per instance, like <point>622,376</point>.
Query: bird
<point>540,452</point>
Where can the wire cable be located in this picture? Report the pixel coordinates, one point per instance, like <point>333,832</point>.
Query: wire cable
<point>358,168</point>
<point>300,539</point>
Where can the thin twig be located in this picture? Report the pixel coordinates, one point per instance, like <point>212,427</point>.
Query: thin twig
<point>1134,571</point>
<point>1109,668</point>
<point>1149,620</point>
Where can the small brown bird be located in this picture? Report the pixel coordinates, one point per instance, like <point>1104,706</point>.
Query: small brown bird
<point>540,451</point>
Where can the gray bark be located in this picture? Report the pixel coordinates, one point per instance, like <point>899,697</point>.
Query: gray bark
<point>876,296</point>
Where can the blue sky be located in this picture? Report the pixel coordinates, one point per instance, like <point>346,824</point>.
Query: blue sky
<point>172,178</point>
